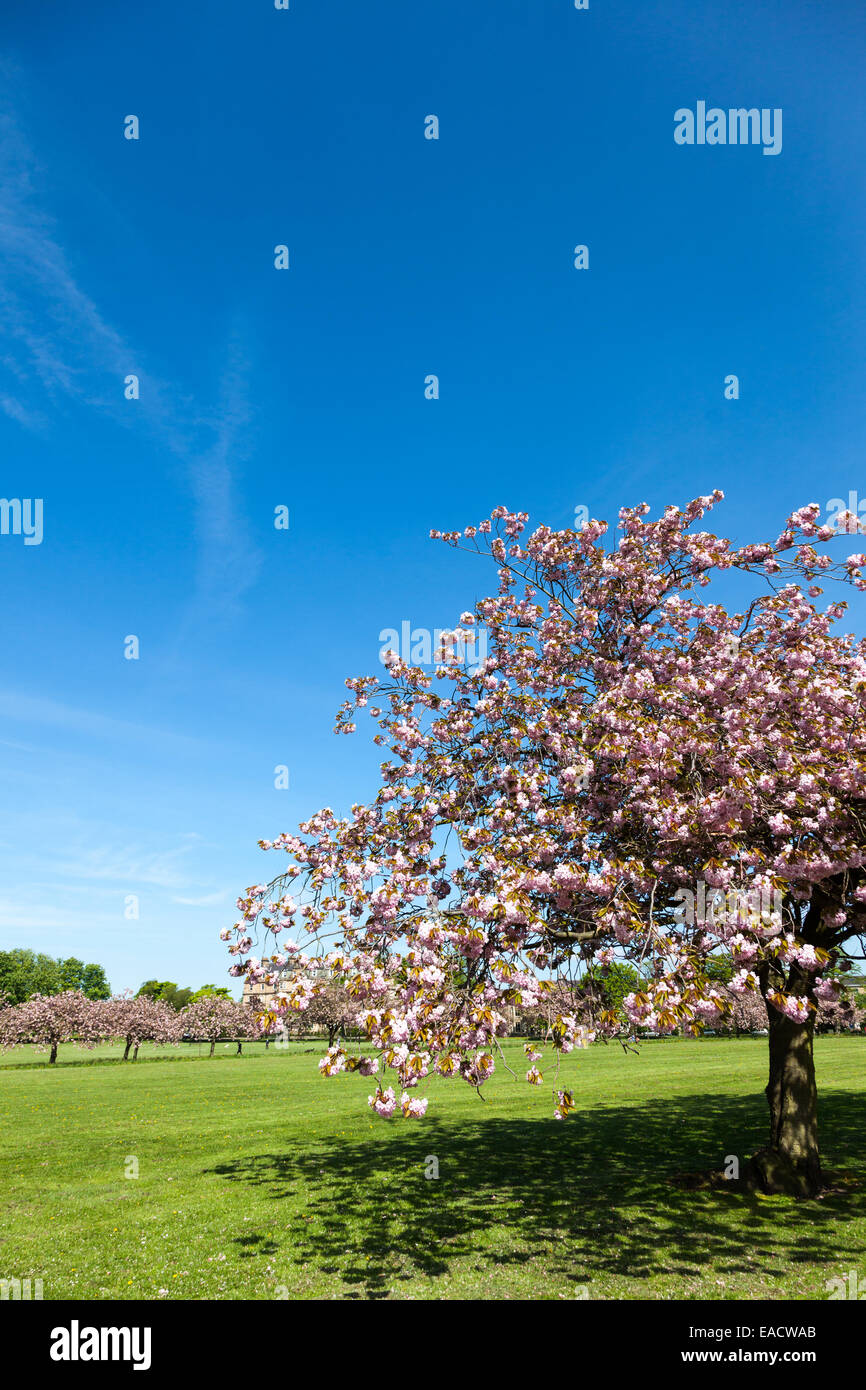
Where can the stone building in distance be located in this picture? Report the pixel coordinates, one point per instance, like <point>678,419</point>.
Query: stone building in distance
<point>258,994</point>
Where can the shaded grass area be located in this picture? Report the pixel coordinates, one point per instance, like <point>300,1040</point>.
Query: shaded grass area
<point>259,1179</point>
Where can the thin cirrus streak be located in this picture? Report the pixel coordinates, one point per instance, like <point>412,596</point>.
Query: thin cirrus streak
<point>57,347</point>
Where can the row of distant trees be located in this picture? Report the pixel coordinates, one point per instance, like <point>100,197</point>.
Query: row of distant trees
<point>50,1002</point>
<point>178,998</point>
<point>49,1021</point>
<point>162,1013</point>
<point>605,989</point>
<point>25,973</point>
<point>210,1015</point>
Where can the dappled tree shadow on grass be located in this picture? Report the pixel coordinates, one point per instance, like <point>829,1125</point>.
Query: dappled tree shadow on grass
<point>594,1195</point>
<point>253,1244</point>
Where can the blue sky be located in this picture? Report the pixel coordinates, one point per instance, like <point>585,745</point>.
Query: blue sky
<point>305,388</point>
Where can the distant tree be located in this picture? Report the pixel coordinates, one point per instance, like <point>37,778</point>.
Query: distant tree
<point>24,973</point>
<point>842,1013</point>
<point>720,968</point>
<point>853,983</point>
<point>140,1019</point>
<point>209,991</point>
<point>94,982</point>
<point>89,979</point>
<point>71,972</point>
<point>152,989</point>
<point>168,991</point>
<point>46,1021</point>
<point>578,1001</point>
<point>214,1019</point>
<point>747,1013</point>
<point>333,1010</point>
<point>617,980</point>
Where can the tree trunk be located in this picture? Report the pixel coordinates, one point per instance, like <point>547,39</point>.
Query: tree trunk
<point>135,1053</point>
<point>53,1057</point>
<point>212,1046</point>
<point>791,1162</point>
<point>128,1046</point>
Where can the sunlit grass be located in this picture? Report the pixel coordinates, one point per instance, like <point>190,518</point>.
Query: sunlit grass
<point>257,1178</point>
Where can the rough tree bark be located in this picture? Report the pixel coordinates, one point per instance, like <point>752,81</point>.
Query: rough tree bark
<point>791,1162</point>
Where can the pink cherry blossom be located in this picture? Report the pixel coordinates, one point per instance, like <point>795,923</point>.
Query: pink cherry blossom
<point>628,738</point>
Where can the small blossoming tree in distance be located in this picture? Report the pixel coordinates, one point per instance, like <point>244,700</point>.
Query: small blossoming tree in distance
<point>47,1020</point>
<point>137,1019</point>
<point>215,1019</point>
<point>555,812</point>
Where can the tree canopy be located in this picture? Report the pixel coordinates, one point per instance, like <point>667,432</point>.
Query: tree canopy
<point>637,773</point>
<point>24,973</point>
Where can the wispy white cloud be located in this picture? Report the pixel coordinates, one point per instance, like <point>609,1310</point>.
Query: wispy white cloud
<point>31,419</point>
<point>228,564</point>
<point>95,860</point>
<point>21,707</point>
<point>24,913</point>
<point>56,340</point>
<point>208,900</point>
<point>129,867</point>
<point>57,347</point>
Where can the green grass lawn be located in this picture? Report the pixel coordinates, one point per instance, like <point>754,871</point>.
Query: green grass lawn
<point>81,1056</point>
<point>257,1178</point>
